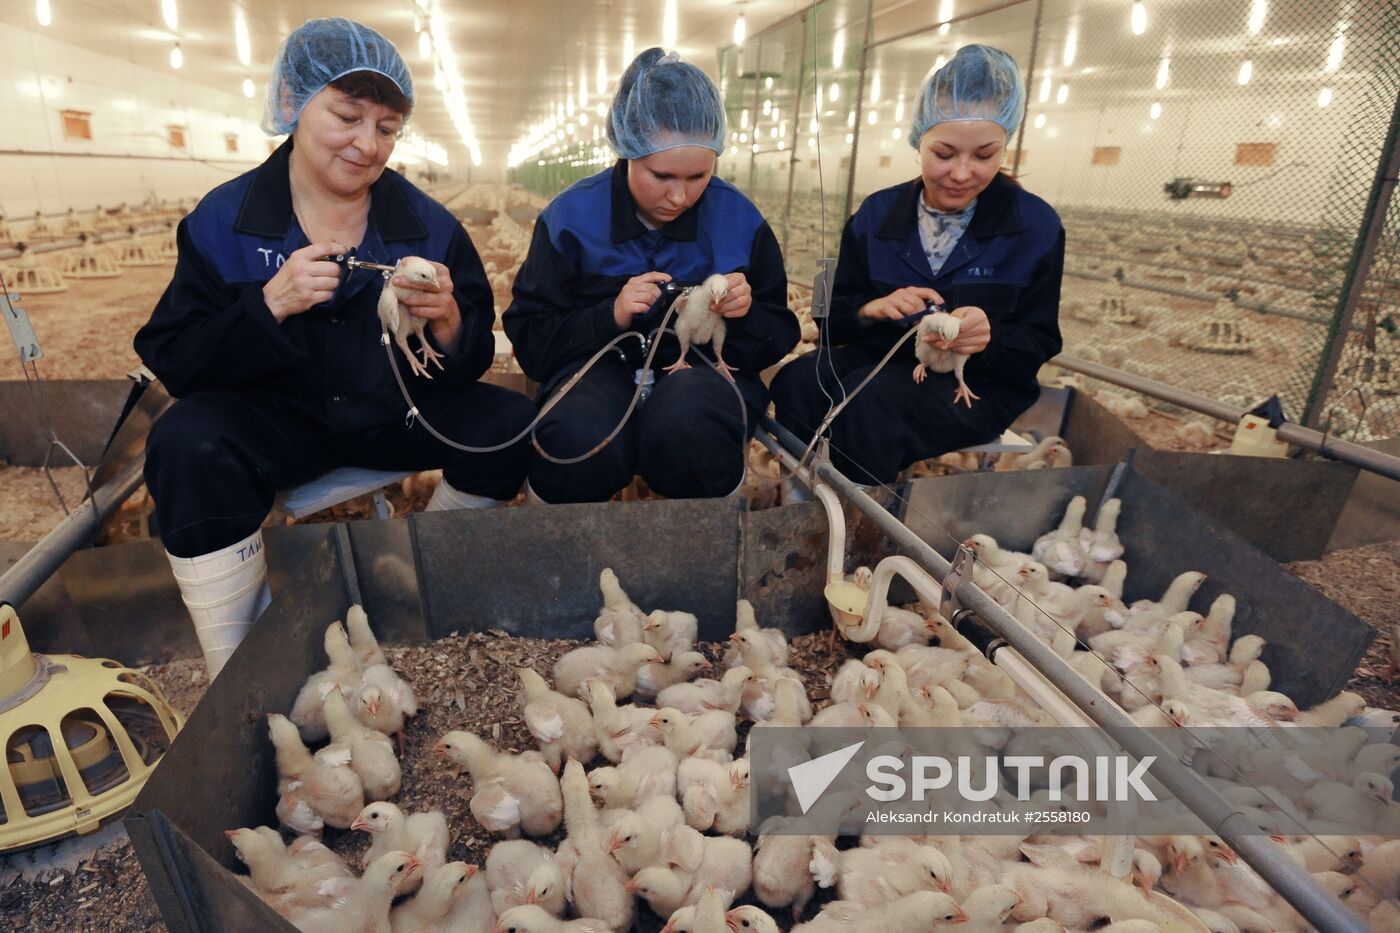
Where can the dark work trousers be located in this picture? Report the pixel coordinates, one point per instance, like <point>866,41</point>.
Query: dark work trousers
<point>892,423</point>
<point>216,459</point>
<point>687,440</point>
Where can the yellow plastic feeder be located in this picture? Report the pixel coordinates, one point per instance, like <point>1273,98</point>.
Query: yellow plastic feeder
<point>81,735</point>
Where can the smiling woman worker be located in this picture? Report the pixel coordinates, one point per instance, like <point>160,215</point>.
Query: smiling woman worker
<point>600,253</point>
<point>962,235</point>
<point>276,360</point>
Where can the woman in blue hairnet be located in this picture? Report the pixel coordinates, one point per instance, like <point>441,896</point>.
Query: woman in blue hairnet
<point>274,354</point>
<point>961,235</point>
<point>601,253</point>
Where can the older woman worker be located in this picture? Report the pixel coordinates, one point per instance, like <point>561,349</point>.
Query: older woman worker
<point>600,255</point>
<point>962,235</point>
<point>275,357</point>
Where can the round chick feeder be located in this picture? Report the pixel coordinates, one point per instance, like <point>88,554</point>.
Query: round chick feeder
<point>89,262</point>
<point>81,735</point>
<point>27,275</point>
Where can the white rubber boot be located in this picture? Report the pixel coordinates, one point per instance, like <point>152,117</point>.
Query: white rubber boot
<point>445,497</point>
<point>225,592</point>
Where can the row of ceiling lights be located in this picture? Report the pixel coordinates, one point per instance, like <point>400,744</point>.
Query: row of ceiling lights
<point>1137,21</point>
<point>571,115</point>
<point>170,13</point>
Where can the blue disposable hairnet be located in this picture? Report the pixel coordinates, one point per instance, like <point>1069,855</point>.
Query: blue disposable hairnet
<point>663,102</point>
<point>980,83</point>
<point>319,52</point>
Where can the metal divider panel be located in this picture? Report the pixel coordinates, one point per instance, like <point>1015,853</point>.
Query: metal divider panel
<point>1313,644</point>
<point>534,571</point>
<point>221,772</point>
<point>1286,508</point>
<point>389,581</point>
<point>1014,507</point>
<point>83,412</point>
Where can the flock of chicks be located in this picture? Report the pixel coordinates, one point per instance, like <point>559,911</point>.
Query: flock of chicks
<point>666,817</point>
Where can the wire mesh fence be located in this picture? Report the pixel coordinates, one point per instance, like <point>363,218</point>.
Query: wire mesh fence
<point>1218,167</point>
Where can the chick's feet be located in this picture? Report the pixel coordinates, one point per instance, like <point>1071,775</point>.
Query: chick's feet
<point>920,371</point>
<point>417,368</point>
<point>964,395</point>
<point>677,366</point>
<point>429,354</point>
<point>725,369</point>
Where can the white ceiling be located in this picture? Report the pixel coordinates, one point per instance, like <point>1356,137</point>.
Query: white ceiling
<point>518,59</point>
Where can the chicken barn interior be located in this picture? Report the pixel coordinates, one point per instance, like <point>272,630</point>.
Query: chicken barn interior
<point>555,717</point>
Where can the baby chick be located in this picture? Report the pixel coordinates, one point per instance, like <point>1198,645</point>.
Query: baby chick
<point>372,753</point>
<point>698,322</point>
<point>528,918</point>
<point>699,696</point>
<point>619,728</point>
<point>670,633</point>
<point>319,788</point>
<point>747,918</point>
<point>715,796</point>
<point>344,671</point>
<point>287,882</point>
<point>362,637</point>
<point>521,872</point>
<point>771,643</point>
<point>427,911</point>
<point>366,905</point>
<point>709,735</point>
<point>942,326</point>
<point>561,724</point>
<point>620,620</point>
<point>512,793</point>
<point>598,882</point>
<point>646,771</point>
<point>655,676</point>
<point>616,667</point>
<point>422,834</point>
<point>403,323</point>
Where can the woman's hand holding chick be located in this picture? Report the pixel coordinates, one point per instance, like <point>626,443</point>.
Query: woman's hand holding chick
<point>973,336</point>
<point>738,300</point>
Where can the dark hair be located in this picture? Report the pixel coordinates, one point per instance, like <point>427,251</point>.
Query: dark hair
<point>374,87</point>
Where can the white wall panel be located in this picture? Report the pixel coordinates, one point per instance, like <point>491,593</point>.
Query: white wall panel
<point>129,157</point>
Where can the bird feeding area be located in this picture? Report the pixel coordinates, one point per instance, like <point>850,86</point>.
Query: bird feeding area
<point>436,574</point>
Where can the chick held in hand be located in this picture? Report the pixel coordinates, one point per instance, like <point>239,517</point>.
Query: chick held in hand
<point>941,327</point>
<point>402,322</point>
<point>698,321</point>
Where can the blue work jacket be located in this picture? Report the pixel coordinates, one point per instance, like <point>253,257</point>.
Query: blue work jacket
<point>588,242</point>
<point>213,330</point>
<point>1009,263</point>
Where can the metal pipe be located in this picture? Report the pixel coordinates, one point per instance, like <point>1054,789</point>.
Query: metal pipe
<point>1115,852</point>
<point>836,528</point>
<point>860,102</point>
<point>1366,458</point>
<point>1250,304</point>
<point>1030,82</point>
<point>1284,875</point>
<point>41,561</point>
